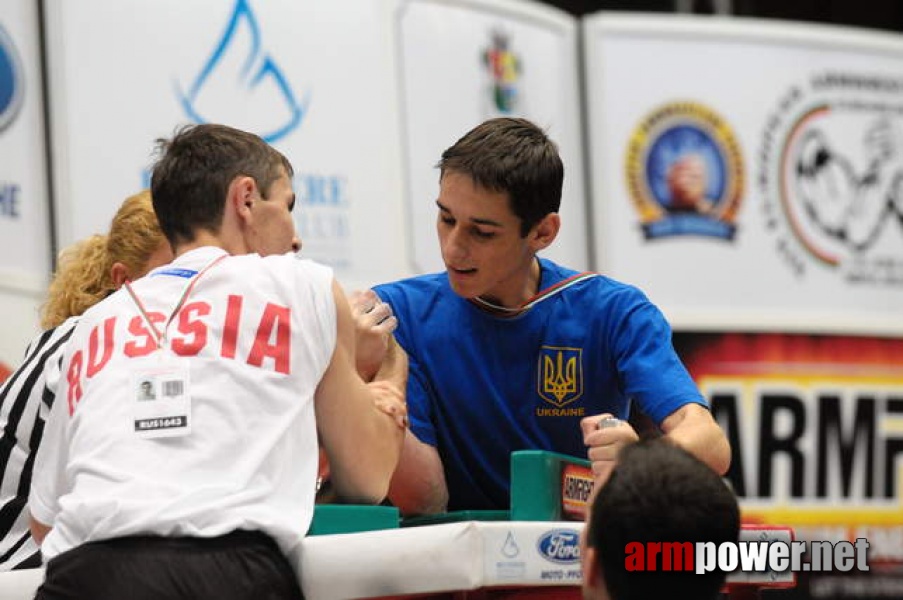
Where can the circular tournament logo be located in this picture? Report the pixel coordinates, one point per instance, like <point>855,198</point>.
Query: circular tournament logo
<point>830,176</point>
<point>840,199</point>
<point>685,172</point>
<point>11,84</point>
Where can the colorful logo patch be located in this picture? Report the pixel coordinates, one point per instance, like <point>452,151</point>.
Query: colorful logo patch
<point>504,72</point>
<point>685,172</point>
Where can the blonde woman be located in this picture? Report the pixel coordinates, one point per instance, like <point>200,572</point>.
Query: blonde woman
<point>88,271</point>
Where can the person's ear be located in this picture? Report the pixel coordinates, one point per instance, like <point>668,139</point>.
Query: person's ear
<point>242,193</point>
<point>119,273</point>
<point>545,232</point>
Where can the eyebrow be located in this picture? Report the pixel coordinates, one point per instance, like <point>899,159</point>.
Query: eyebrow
<point>477,221</point>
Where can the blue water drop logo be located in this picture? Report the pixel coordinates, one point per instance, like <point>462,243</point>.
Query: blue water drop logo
<point>260,98</point>
<point>12,84</point>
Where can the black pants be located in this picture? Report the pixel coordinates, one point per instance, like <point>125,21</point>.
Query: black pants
<point>242,565</point>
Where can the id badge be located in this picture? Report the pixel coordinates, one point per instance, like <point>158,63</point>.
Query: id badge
<point>161,397</point>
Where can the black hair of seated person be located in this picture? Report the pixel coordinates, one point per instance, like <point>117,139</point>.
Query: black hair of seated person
<point>658,492</point>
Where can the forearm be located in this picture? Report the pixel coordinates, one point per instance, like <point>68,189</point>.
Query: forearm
<point>418,485</point>
<point>361,425</point>
<point>696,431</point>
<point>394,367</point>
<point>365,460</point>
<point>38,530</point>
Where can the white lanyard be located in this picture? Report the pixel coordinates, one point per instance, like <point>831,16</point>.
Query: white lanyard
<point>160,337</point>
<point>161,387</point>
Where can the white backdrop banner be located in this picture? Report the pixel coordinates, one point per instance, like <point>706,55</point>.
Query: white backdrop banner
<point>315,79</point>
<point>463,62</point>
<point>24,225</point>
<point>24,200</point>
<point>749,174</point>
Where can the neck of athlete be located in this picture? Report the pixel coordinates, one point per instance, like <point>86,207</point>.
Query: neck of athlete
<point>229,238</point>
<point>522,292</point>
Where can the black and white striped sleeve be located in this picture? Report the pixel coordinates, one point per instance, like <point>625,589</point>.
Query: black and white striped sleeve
<point>32,385</point>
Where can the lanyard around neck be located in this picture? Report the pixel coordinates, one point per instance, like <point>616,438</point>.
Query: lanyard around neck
<point>160,337</point>
<point>505,311</point>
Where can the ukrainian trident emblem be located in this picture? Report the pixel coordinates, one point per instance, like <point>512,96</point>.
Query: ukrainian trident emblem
<point>560,374</point>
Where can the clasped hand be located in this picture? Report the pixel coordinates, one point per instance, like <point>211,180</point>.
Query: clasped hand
<point>374,323</point>
<point>605,442</point>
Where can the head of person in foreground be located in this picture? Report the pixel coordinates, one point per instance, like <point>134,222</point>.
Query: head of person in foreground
<point>657,493</point>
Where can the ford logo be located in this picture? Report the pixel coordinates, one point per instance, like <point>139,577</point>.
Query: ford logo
<point>560,546</point>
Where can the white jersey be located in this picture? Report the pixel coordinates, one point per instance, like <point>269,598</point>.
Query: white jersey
<point>231,393</point>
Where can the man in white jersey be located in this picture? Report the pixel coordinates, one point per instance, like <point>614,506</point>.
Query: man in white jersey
<point>205,490</point>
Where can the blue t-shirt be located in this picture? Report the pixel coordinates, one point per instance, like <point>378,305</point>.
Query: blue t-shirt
<point>482,385</point>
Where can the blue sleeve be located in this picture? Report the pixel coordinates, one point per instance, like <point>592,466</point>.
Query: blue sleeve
<point>649,368</point>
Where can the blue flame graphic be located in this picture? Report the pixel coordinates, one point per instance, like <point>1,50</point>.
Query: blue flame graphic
<point>258,68</point>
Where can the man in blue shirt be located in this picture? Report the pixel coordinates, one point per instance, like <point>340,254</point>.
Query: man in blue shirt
<point>510,351</point>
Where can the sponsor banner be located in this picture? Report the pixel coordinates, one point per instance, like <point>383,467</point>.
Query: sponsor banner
<point>315,79</point>
<point>430,559</point>
<point>752,178</point>
<point>816,429</point>
<point>465,62</point>
<point>24,225</point>
<point>24,251</point>
<point>531,554</point>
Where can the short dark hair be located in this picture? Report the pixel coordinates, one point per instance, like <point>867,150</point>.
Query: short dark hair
<point>512,156</point>
<point>194,170</point>
<point>659,492</point>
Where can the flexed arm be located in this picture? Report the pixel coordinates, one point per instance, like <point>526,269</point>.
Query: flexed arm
<point>418,486</point>
<point>362,425</point>
<point>691,427</point>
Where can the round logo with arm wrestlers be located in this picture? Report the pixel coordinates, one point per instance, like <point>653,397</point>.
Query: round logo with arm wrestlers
<point>685,172</point>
